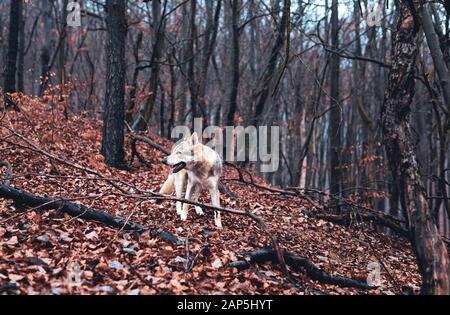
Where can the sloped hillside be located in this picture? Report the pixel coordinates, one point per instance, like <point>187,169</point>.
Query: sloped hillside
<point>40,250</point>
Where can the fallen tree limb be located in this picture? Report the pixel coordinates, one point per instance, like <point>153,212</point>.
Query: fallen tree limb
<point>170,238</point>
<point>21,197</point>
<point>298,264</point>
<point>9,286</point>
<point>371,215</point>
<point>291,193</point>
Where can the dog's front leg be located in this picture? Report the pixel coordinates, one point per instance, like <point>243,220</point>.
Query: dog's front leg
<point>215,201</point>
<point>179,185</point>
<point>188,196</point>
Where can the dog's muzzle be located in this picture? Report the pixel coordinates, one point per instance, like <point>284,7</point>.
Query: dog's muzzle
<point>175,167</point>
<point>178,167</point>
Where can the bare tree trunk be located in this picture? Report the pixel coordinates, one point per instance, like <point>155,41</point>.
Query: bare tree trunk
<point>212,27</point>
<point>2,50</point>
<point>45,50</point>
<point>134,84</point>
<point>234,64</point>
<point>113,116</point>
<point>268,73</point>
<point>431,252</point>
<point>143,119</point>
<point>161,109</point>
<point>184,55</point>
<point>13,46</point>
<point>191,56</point>
<point>62,51</point>
<point>173,85</point>
<point>334,135</point>
<point>21,53</point>
<point>440,65</point>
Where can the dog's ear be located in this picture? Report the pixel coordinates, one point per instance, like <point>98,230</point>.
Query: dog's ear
<point>194,138</point>
<point>187,136</point>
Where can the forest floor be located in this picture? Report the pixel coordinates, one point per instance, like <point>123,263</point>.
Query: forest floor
<point>39,250</point>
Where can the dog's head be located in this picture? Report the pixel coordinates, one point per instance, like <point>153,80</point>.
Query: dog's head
<point>183,153</point>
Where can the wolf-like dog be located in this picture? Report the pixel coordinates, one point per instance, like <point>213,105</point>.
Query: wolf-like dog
<point>199,166</point>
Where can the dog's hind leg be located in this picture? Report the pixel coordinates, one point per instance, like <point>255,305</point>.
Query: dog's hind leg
<point>195,194</point>
<point>184,212</point>
<point>167,187</point>
<point>215,201</point>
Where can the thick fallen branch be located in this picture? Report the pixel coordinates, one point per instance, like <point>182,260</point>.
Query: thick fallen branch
<point>21,197</point>
<point>25,198</point>
<point>170,238</point>
<point>298,264</point>
<point>9,286</point>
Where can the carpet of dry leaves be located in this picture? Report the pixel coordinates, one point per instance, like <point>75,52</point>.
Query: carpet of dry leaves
<point>41,250</point>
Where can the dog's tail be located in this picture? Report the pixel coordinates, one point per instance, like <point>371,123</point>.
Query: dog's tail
<point>168,187</point>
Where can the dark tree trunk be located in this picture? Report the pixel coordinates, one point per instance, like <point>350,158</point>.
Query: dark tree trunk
<point>191,63</point>
<point>436,53</point>
<point>212,26</point>
<point>21,51</point>
<point>234,64</point>
<point>62,52</point>
<point>265,82</point>
<point>134,84</point>
<point>2,50</point>
<point>143,120</point>
<point>45,51</point>
<point>13,46</point>
<point>113,117</point>
<point>173,84</point>
<point>161,109</point>
<point>334,135</point>
<point>431,252</point>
